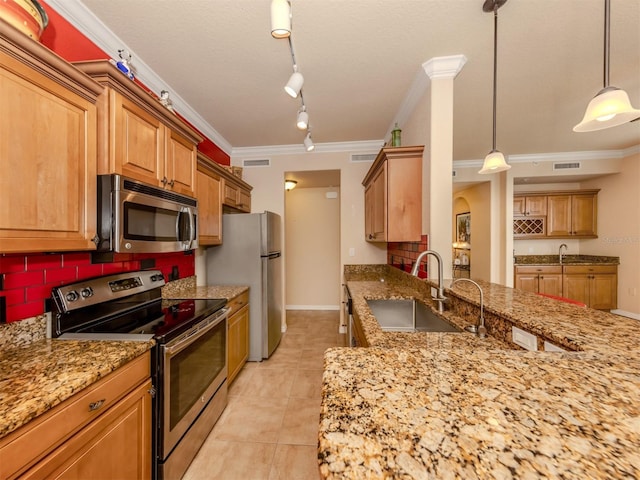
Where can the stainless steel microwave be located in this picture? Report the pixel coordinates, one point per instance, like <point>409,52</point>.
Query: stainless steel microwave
<point>134,217</point>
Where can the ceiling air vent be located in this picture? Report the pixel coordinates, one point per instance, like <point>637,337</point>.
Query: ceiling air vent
<point>566,166</point>
<point>363,157</point>
<point>262,162</point>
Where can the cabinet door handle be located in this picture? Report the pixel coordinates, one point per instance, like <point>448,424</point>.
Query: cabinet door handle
<point>93,406</point>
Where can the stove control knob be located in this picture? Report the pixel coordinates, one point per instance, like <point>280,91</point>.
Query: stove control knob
<point>86,292</point>
<point>72,296</point>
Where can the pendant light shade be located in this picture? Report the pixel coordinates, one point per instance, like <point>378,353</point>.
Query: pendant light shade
<point>308,143</point>
<point>294,84</point>
<point>494,162</point>
<point>280,18</point>
<point>611,106</point>
<point>303,119</point>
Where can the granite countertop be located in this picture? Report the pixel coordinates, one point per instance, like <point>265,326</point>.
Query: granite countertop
<point>42,374</point>
<point>37,373</point>
<point>435,407</point>
<point>568,259</point>
<point>186,288</point>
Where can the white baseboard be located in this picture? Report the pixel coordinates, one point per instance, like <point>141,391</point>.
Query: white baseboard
<point>312,307</point>
<point>635,316</point>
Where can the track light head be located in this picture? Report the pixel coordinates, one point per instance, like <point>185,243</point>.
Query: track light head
<point>294,85</point>
<point>308,143</point>
<point>303,119</point>
<point>280,18</point>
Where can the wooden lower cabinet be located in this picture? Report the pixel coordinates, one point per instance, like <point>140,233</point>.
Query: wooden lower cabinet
<point>103,431</point>
<point>594,285</point>
<point>238,335</point>
<point>545,279</point>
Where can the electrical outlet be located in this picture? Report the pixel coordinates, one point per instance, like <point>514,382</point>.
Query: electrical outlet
<point>633,291</point>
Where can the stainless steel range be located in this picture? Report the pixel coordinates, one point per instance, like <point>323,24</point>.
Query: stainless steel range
<point>189,361</point>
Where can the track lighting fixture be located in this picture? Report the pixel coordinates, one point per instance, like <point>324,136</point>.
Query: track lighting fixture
<point>611,106</point>
<point>303,119</point>
<point>494,162</point>
<point>281,28</point>
<point>294,84</point>
<point>280,18</point>
<point>308,143</point>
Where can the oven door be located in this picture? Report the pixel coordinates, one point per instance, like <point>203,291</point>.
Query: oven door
<point>194,366</point>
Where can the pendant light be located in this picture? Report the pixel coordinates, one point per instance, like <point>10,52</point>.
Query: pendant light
<point>494,162</point>
<point>611,106</point>
<point>280,18</point>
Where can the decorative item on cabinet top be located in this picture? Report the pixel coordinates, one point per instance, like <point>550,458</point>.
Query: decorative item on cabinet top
<point>28,16</point>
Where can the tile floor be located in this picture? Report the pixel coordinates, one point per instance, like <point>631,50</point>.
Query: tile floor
<point>269,430</point>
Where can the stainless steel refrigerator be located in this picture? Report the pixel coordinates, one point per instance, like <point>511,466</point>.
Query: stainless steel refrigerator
<point>250,255</point>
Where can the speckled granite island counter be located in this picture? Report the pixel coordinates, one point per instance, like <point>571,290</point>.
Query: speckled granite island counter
<point>186,288</point>
<point>409,410</point>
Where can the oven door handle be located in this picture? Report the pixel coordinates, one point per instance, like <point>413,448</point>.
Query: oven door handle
<point>196,332</point>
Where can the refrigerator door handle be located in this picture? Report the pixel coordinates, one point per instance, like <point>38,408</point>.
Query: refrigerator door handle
<point>273,255</point>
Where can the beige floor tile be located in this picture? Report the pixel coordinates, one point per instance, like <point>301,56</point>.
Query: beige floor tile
<point>295,462</point>
<point>300,424</point>
<point>267,383</point>
<point>219,460</point>
<point>249,419</point>
<point>269,430</point>
<point>307,384</point>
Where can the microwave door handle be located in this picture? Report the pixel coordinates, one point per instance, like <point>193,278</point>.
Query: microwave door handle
<point>192,229</point>
<point>186,243</point>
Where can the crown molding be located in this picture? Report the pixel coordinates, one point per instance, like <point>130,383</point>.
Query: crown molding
<point>444,67</point>
<point>556,157</point>
<point>368,146</point>
<point>91,27</point>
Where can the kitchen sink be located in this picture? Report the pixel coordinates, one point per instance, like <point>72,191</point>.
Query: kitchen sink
<point>408,316</point>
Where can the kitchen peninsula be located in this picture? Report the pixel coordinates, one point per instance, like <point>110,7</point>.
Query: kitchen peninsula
<point>432,405</point>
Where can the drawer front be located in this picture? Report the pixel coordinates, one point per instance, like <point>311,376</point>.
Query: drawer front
<point>529,269</point>
<point>587,269</point>
<point>238,302</point>
<point>31,442</point>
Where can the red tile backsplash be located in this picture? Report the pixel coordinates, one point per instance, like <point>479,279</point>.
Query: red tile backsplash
<point>27,280</point>
<point>403,255</point>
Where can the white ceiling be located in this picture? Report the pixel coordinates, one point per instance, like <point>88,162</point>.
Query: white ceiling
<point>359,59</point>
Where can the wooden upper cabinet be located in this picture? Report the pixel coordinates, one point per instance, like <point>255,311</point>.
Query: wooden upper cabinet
<point>236,194</point>
<point>47,149</point>
<point>180,164</point>
<point>209,195</point>
<point>393,196</point>
<point>138,137</point>
<point>572,215</point>
<point>529,205</point>
<point>558,214</point>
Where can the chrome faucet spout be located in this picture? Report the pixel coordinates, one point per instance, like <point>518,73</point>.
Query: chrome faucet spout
<point>481,329</point>
<point>440,298</point>
<point>560,251</point>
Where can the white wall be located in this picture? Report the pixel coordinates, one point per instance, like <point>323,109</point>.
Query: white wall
<point>312,237</point>
<point>476,200</point>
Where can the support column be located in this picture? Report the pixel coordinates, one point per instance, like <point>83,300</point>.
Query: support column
<point>437,184</point>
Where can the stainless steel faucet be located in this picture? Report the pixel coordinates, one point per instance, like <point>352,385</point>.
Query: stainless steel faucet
<point>440,298</point>
<point>479,329</point>
<point>560,251</point>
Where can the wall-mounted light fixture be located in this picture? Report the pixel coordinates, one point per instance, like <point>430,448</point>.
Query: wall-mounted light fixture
<point>611,106</point>
<point>290,184</point>
<point>494,162</point>
<point>280,18</point>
